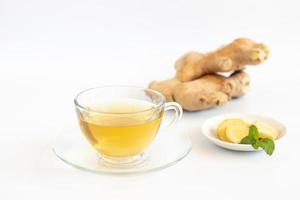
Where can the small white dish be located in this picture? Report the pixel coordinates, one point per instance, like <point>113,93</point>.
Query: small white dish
<point>210,126</point>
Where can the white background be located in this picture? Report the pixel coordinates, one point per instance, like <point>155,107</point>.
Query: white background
<point>50,50</point>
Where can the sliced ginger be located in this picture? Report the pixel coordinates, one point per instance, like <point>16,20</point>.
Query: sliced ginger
<point>221,130</point>
<point>266,130</point>
<point>236,133</point>
<point>233,130</point>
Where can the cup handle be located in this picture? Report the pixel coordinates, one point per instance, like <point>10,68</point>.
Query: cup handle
<point>178,112</point>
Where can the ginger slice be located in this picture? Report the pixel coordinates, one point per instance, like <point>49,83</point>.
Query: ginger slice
<point>266,130</point>
<point>236,133</point>
<point>221,130</point>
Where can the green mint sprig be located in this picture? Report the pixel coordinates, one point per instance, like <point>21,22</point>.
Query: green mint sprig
<point>252,138</point>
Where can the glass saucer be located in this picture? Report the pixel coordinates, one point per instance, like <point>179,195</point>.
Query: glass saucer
<point>169,147</point>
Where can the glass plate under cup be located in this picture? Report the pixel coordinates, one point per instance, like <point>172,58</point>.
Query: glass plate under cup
<point>169,147</point>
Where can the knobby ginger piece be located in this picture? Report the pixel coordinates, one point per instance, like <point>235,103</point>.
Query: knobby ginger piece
<point>206,92</point>
<point>232,57</point>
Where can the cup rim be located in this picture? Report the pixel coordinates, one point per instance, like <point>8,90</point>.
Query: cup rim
<point>161,101</point>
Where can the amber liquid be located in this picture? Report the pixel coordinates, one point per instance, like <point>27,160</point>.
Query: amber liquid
<point>121,135</point>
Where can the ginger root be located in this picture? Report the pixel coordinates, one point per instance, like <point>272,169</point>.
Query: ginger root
<point>206,92</point>
<point>232,57</point>
<point>197,85</point>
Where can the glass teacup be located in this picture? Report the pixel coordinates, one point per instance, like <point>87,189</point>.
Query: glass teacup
<point>120,122</point>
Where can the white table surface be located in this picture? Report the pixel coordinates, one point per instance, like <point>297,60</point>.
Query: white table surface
<point>50,50</point>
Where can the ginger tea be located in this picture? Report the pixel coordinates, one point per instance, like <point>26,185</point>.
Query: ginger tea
<point>121,129</point>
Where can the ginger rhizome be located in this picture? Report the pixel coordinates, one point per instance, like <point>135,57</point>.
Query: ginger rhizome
<point>232,57</point>
<point>197,86</point>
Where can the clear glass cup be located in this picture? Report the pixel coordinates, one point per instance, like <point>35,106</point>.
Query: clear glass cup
<point>120,122</point>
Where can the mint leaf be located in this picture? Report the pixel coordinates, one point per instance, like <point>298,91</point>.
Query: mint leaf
<point>254,132</point>
<point>256,145</point>
<point>267,145</point>
<point>247,140</point>
<point>252,138</point>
